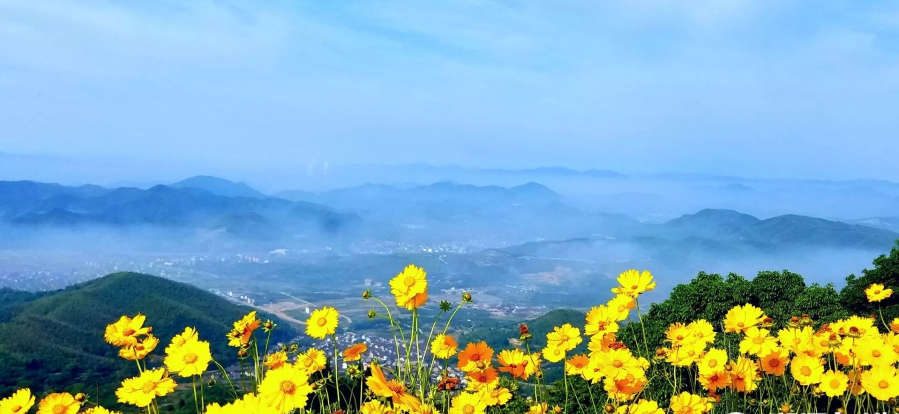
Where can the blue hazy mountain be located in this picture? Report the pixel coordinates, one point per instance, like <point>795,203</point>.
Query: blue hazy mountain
<point>40,205</point>
<point>219,186</point>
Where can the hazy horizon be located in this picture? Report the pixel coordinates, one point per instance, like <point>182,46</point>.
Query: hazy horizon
<point>758,89</point>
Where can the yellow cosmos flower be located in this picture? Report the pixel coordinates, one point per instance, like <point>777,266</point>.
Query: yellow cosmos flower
<point>468,403</point>
<point>881,382</point>
<point>496,396</point>
<point>410,287</point>
<point>243,330</point>
<point>873,351</point>
<point>686,403</point>
<point>480,380</point>
<point>876,292</point>
<point>140,391</point>
<point>376,407</point>
<point>393,389</point>
<point>620,306</point>
<point>565,337</point>
<point>757,342</point>
<point>834,383</point>
<point>189,334</point>
<point>354,352</point>
<point>252,403</point>
<point>126,331</point>
<point>275,360</point>
<point>59,403</point>
<point>702,331</point>
<point>444,346</point>
<point>322,322</point>
<point>541,408</point>
<point>678,335</point>
<point>741,318</point>
<point>285,389</point>
<point>139,351</point>
<point>715,360</point>
<point>513,362</point>
<point>807,370</point>
<point>743,375</point>
<point>641,407</point>
<point>624,389</point>
<point>475,356</point>
<point>190,359</point>
<point>894,325</point>
<point>553,353</point>
<point>312,360</point>
<point>619,363</point>
<point>99,410</point>
<point>20,402</point>
<point>633,283</point>
<point>576,364</point>
<point>601,320</point>
<point>715,380</point>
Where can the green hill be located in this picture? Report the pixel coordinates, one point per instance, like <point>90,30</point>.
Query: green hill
<point>54,340</point>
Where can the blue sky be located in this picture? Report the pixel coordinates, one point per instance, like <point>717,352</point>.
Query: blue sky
<point>805,89</point>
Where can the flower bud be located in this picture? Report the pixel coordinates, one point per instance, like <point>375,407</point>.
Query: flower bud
<point>268,326</point>
<point>366,295</point>
<point>372,314</point>
<point>785,408</point>
<point>557,409</point>
<point>80,397</point>
<point>466,297</point>
<point>609,408</point>
<point>242,353</point>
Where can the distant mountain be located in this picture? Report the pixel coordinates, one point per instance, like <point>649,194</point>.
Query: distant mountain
<point>709,223</point>
<point>219,186</point>
<point>884,223</point>
<point>37,205</point>
<point>55,339</point>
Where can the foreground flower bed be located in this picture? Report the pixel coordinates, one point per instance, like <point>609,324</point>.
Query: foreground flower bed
<point>742,363</point>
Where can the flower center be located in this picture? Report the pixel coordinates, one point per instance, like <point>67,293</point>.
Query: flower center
<point>617,364</point>
<point>806,371</point>
<point>758,340</point>
<point>713,363</point>
<point>634,287</point>
<point>322,322</point>
<point>877,292</point>
<point>883,384</point>
<point>59,409</point>
<point>876,354</point>
<point>409,281</point>
<point>396,387</point>
<point>741,324</point>
<point>774,363</point>
<point>288,387</point>
<point>190,358</point>
<point>476,357</point>
<point>16,409</point>
<point>834,384</point>
<point>148,387</point>
<point>680,337</point>
<point>469,409</point>
<point>126,332</point>
<point>563,338</point>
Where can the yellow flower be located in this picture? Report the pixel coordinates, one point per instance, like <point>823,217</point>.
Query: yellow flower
<point>141,390</point>
<point>275,360</point>
<point>20,402</point>
<point>410,287</point>
<point>702,330</point>
<point>322,322</point>
<point>576,364</point>
<point>376,407</point>
<point>475,354</point>
<point>480,380</point>
<point>354,352</point>
<point>620,306</point>
<point>807,370</point>
<point>876,292</point>
<point>392,389</point>
<point>715,380</point>
<point>757,342</point>
<point>285,388</point>
<point>619,363</point>
<point>100,410</point>
<point>743,375</point>
<point>252,403</point>
<point>126,331</point>
<point>624,389</point>
<point>243,330</point>
<point>60,403</point>
<point>641,407</point>
<point>881,382</point>
<point>741,318</point>
<point>189,334</point>
<point>444,346</point>
<point>140,351</point>
<point>678,335</point>
<point>795,339</point>
<point>775,362</point>
<point>894,325</point>
<point>541,408</point>
<point>715,360</point>
<point>633,283</point>
<point>873,351</point>
<point>834,383</point>
<point>496,396</point>
<point>600,321</point>
<point>687,403</point>
<point>190,359</point>
<point>513,362</point>
<point>553,352</point>
<point>312,360</point>
<point>566,337</point>
<point>468,403</point>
